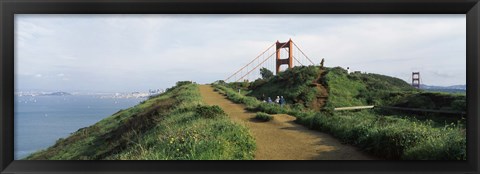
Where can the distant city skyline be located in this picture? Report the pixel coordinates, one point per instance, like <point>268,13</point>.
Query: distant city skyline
<point>110,53</point>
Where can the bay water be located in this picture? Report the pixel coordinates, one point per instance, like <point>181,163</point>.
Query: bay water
<point>39,121</point>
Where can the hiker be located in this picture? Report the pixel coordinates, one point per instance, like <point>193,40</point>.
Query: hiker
<point>282,101</point>
<point>348,70</point>
<point>277,100</point>
<point>321,63</point>
<point>269,100</point>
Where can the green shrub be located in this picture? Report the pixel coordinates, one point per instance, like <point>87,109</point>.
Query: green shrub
<point>263,116</point>
<point>271,108</point>
<point>298,106</point>
<point>209,111</point>
<point>257,83</point>
<point>266,73</point>
<point>181,83</point>
<point>391,137</point>
<point>438,149</point>
<point>445,144</point>
<point>459,105</point>
<point>294,84</point>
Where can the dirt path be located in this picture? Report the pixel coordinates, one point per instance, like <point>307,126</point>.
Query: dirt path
<point>281,138</point>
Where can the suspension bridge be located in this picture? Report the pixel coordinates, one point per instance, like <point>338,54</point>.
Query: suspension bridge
<point>287,54</point>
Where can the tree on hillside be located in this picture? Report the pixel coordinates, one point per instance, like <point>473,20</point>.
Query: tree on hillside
<point>266,74</point>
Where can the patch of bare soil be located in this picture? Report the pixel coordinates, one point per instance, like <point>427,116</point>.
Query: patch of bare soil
<point>281,138</point>
<point>322,95</point>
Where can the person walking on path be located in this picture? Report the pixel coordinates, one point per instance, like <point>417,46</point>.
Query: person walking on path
<point>282,101</point>
<point>277,100</point>
<point>269,100</point>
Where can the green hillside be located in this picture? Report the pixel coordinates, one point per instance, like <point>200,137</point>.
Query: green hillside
<point>316,88</point>
<point>357,89</point>
<point>389,135</point>
<point>173,125</point>
<point>297,85</point>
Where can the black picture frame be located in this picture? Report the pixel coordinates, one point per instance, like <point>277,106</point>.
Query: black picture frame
<point>8,8</point>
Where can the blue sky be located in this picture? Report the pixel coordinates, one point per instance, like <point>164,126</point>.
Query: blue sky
<point>115,53</point>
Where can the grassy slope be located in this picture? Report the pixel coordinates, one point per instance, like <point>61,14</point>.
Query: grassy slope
<point>173,125</point>
<point>386,133</point>
<point>390,137</point>
<point>295,85</point>
<point>363,89</point>
<point>373,89</point>
<point>344,90</point>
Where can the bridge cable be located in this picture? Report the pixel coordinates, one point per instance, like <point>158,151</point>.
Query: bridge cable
<point>261,62</point>
<point>298,61</point>
<point>250,62</point>
<point>303,53</point>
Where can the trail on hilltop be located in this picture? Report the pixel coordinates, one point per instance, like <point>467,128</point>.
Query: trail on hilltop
<point>281,138</point>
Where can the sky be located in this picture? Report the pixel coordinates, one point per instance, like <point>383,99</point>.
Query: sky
<point>122,53</point>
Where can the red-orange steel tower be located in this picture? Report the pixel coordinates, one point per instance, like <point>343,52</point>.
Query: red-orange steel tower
<point>416,79</point>
<point>289,60</point>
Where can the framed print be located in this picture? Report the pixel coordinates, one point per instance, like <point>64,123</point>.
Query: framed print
<point>352,86</point>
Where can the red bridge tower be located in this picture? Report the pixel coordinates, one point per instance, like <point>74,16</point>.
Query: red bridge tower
<point>416,79</point>
<point>288,45</point>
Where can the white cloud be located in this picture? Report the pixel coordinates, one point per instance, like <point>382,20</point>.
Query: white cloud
<point>153,51</point>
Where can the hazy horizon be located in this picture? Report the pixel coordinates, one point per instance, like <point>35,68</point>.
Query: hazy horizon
<point>110,53</point>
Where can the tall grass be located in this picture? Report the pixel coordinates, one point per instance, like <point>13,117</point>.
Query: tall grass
<point>253,104</point>
<point>175,125</point>
<point>263,116</point>
<point>391,137</point>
